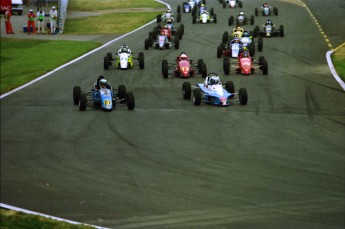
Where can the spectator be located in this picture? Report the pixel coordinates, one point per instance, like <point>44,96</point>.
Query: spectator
<point>31,21</point>
<point>8,25</point>
<point>53,20</point>
<point>40,21</point>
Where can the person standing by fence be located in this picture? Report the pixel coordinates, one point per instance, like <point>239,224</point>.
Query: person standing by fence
<point>8,25</point>
<point>31,22</point>
<point>53,20</point>
<point>40,21</point>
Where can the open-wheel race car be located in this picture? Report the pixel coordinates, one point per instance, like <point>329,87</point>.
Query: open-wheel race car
<point>232,3</point>
<point>183,67</point>
<point>124,60</point>
<point>161,38</point>
<point>245,64</point>
<point>187,7</point>
<point>213,91</point>
<point>241,19</point>
<point>232,47</point>
<point>103,96</point>
<point>168,15</point>
<point>205,18</point>
<point>266,10</point>
<point>269,31</point>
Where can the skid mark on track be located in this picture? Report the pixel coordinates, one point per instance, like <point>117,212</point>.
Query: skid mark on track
<point>311,103</point>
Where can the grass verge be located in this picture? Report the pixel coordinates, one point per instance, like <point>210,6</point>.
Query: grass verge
<point>19,220</point>
<point>24,60</point>
<point>338,59</point>
<point>94,5</point>
<point>112,23</point>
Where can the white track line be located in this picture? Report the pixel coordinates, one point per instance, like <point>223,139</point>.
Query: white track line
<point>46,216</point>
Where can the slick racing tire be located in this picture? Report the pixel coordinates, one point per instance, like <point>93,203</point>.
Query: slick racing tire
<point>130,101</point>
<point>147,44</point>
<point>110,56</point>
<point>265,67</point>
<point>240,4</point>
<point>197,96</point>
<point>164,61</point>
<point>186,90</point>
<point>215,18</point>
<point>204,71</point>
<point>260,44</point>
<point>82,101</point>
<point>165,70</point>
<point>230,87</point>
<point>177,42</point>
<point>122,93</point>
<point>219,52</point>
<point>76,94</point>
<point>243,96</point>
<point>261,60</point>
<point>106,63</point>
<point>256,11</point>
<point>252,20</point>
<point>281,30</point>
<point>226,65</point>
<point>141,60</point>
<point>200,64</point>
<point>275,11</point>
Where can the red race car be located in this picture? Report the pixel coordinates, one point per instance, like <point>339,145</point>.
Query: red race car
<point>245,64</point>
<point>183,67</point>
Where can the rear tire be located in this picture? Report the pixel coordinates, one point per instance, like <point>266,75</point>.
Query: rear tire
<point>106,63</point>
<point>76,94</point>
<point>243,96</point>
<point>229,87</point>
<point>186,90</point>
<point>197,96</point>
<point>130,101</point>
<point>82,102</point>
<point>260,44</point>
<point>122,92</point>
<point>165,71</point>
<point>141,60</point>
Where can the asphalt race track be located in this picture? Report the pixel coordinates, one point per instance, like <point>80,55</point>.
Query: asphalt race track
<point>276,163</point>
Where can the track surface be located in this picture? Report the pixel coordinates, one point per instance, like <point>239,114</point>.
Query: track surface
<point>276,163</point>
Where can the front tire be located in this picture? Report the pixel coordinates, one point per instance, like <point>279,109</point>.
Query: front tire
<point>243,96</point>
<point>76,94</point>
<point>130,101</point>
<point>82,101</point>
<point>197,96</point>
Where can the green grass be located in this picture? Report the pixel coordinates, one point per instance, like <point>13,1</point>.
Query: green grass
<point>113,23</point>
<point>18,220</point>
<point>92,5</point>
<point>24,60</point>
<point>338,58</point>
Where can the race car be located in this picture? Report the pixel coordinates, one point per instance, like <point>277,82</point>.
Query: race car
<point>183,67</point>
<point>187,7</point>
<point>266,10</point>
<point>212,91</point>
<point>241,19</point>
<point>124,60</point>
<point>168,15</point>
<point>245,64</point>
<point>105,97</point>
<point>200,9</point>
<point>205,18</point>
<point>163,40</point>
<point>232,3</point>
<point>269,31</point>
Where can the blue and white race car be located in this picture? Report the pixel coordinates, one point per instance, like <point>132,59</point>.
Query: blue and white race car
<point>212,91</point>
<point>103,96</point>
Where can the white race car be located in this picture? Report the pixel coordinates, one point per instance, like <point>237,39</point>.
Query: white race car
<point>205,18</point>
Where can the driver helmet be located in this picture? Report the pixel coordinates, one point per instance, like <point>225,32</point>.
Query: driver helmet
<point>245,34</point>
<point>245,54</point>
<point>162,32</point>
<point>169,21</point>
<point>184,57</point>
<point>236,40</point>
<point>165,27</point>
<point>124,48</point>
<point>214,80</point>
<point>238,28</point>
<point>168,11</point>
<point>103,83</point>
<point>202,5</point>
<point>241,13</point>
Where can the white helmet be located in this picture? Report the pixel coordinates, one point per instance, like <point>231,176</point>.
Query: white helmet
<point>184,57</point>
<point>103,83</point>
<point>241,13</point>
